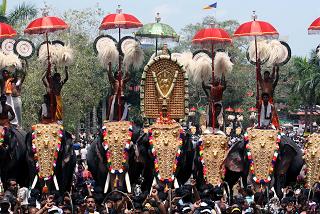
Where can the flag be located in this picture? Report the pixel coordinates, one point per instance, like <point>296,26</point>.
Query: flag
<point>211,6</point>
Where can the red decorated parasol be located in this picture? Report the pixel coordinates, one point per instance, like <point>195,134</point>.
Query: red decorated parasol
<point>209,38</point>
<point>314,28</point>
<point>252,109</point>
<point>6,31</point>
<point>45,25</point>
<point>238,110</point>
<point>119,21</point>
<point>193,109</point>
<point>253,30</point>
<point>229,109</point>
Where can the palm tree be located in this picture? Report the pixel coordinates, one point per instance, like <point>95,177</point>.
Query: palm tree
<point>19,14</point>
<point>307,74</point>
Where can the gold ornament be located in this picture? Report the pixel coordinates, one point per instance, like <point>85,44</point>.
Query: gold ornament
<point>262,147</point>
<point>214,152</point>
<point>312,159</point>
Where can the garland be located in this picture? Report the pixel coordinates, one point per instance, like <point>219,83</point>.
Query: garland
<point>2,136</point>
<point>56,152</point>
<point>205,169</point>
<point>251,161</point>
<point>109,154</point>
<point>156,161</point>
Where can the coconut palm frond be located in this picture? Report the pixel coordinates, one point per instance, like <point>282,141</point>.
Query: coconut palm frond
<point>22,12</point>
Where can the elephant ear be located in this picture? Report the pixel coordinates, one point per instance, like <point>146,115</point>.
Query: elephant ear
<point>235,158</point>
<point>288,151</point>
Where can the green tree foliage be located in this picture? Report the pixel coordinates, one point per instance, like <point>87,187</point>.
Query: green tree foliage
<point>87,82</point>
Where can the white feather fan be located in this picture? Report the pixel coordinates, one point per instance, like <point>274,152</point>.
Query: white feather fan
<point>263,50</point>
<point>278,53</point>
<point>188,63</point>
<point>185,59</point>
<point>222,64</point>
<point>64,55</point>
<point>203,69</point>
<point>2,59</point>
<point>133,54</point>
<point>109,53</point>
<point>12,60</point>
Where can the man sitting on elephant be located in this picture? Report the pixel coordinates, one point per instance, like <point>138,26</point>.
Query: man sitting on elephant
<point>5,111</point>
<point>267,113</point>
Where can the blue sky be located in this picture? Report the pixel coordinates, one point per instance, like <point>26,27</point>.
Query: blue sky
<point>290,17</point>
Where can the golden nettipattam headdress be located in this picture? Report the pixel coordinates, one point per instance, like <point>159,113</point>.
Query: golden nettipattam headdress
<point>46,142</point>
<point>262,146</point>
<point>312,160</point>
<point>165,142</point>
<point>213,150</point>
<point>116,142</point>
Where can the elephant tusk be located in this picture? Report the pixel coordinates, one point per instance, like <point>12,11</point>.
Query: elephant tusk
<point>128,182</point>
<point>35,180</point>
<point>154,182</point>
<point>55,181</point>
<point>106,185</point>
<point>175,184</point>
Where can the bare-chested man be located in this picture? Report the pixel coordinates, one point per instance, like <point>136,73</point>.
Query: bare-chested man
<point>215,100</point>
<point>6,112</point>
<point>54,86</point>
<point>268,83</point>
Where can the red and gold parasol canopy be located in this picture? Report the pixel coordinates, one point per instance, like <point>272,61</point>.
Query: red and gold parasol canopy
<point>119,20</point>
<point>238,110</point>
<point>314,27</point>
<point>229,109</point>
<point>252,109</point>
<point>7,31</point>
<point>46,24</point>
<point>212,36</point>
<point>255,29</point>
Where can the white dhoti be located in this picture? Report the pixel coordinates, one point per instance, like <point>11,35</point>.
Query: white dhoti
<point>17,104</point>
<point>10,103</point>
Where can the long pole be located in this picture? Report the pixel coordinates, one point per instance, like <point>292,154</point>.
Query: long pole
<point>120,81</point>
<point>213,112</point>
<point>48,76</point>
<point>257,81</point>
<point>156,46</point>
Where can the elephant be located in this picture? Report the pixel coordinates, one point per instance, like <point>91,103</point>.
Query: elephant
<point>97,163</point>
<point>64,167</point>
<point>140,161</point>
<point>287,167</point>
<point>12,156</point>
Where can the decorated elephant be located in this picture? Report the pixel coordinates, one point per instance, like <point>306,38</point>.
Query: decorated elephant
<point>114,157</point>
<point>12,155</point>
<point>50,157</point>
<point>267,157</point>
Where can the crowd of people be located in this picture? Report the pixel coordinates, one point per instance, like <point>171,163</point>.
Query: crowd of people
<point>86,197</point>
